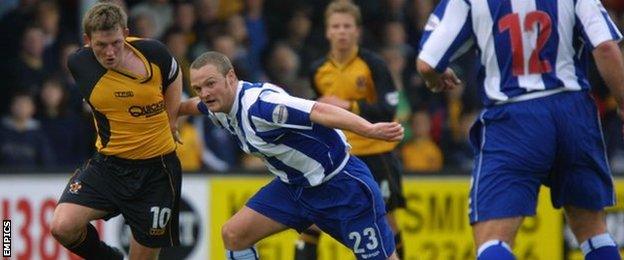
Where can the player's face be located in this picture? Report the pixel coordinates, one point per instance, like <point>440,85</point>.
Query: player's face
<point>108,46</point>
<point>342,31</point>
<point>214,89</point>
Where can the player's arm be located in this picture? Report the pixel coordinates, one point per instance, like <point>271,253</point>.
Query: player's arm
<point>447,35</point>
<point>608,59</point>
<point>190,107</point>
<point>336,117</point>
<point>172,96</point>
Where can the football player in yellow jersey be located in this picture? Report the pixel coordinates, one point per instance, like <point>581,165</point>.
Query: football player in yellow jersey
<point>133,87</point>
<point>359,81</point>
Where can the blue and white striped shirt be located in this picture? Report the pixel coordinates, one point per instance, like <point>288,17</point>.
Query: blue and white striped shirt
<point>528,48</point>
<point>276,127</point>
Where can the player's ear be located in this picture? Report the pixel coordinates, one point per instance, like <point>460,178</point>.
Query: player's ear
<point>126,32</point>
<point>86,39</point>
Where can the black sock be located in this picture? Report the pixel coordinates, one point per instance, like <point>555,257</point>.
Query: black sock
<point>92,248</point>
<point>398,241</point>
<point>305,249</point>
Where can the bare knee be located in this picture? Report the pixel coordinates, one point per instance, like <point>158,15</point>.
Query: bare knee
<point>496,229</point>
<point>233,238</point>
<point>66,230</point>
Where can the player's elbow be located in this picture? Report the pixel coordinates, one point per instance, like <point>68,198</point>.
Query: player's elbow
<point>607,50</point>
<point>424,68</point>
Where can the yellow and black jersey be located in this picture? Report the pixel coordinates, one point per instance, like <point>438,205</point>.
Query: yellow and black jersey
<point>129,111</point>
<point>365,81</point>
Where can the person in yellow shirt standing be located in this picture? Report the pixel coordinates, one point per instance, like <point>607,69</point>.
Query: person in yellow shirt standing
<point>358,80</point>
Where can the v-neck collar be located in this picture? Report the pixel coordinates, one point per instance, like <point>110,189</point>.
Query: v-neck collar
<point>146,64</point>
<point>351,58</point>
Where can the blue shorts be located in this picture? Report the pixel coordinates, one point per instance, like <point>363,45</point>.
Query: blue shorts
<point>555,140</point>
<point>349,207</point>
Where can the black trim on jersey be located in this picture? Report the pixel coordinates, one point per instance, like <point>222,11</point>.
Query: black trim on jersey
<point>103,126</point>
<point>86,70</point>
<point>381,110</point>
<point>158,53</point>
<point>312,74</point>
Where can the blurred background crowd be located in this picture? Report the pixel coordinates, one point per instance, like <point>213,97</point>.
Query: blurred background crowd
<point>45,125</point>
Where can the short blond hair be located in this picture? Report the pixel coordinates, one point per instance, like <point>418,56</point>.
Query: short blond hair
<point>104,17</point>
<point>345,7</point>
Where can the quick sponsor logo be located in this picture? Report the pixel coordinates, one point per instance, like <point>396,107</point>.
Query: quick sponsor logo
<point>6,238</point>
<point>148,110</point>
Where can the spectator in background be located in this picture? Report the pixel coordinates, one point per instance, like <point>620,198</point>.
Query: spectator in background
<point>237,29</point>
<point>158,12</point>
<point>283,70</point>
<point>27,71</point>
<point>143,26</point>
<point>190,150</point>
<point>219,152</point>
<point>62,126</point>
<point>227,45</point>
<point>74,98</point>
<point>256,32</point>
<point>22,141</point>
<point>12,26</point>
<point>421,153</point>
<point>207,26</point>
<point>298,38</point>
<point>393,56</point>
<point>185,20</point>
<point>48,18</point>
<point>176,42</point>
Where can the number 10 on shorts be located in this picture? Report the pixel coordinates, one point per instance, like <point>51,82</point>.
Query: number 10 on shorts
<point>160,218</point>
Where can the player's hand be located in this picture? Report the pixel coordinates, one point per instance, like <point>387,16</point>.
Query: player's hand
<point>445,81</point>
<point>336,101</point>
<point>387,131</point>
<point>176,134</point>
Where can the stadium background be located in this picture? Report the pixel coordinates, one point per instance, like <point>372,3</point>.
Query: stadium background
<point>46,131</point>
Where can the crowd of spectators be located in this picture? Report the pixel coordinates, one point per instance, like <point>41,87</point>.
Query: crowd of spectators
<point>46,124</point>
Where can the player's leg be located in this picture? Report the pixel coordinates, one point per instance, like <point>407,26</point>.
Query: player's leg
<point>352,211</point>
<point>241,232</point>
<point>590,229</point>
<point>494,238</point>
<point>79,204</point>
<point>507,174</point>
<point>141,252</point>
<point>71,228</point>
<point>582,179</point>
<point>387,171</point>
<point>271,210</point>
<point>307,244</point>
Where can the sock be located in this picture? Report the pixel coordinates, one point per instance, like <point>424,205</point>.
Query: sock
<point>600,247</point>
<point>495,250</point>
<point>245,254</point>
<point>305,247</point>
<point>398,241</point>
<point>90,247</point>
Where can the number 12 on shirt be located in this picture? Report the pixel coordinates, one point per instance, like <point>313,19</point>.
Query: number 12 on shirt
<point>538,19</point>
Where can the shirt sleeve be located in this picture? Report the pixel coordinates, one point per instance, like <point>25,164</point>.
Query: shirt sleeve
<point>384,108</point>
<point>279,109</point>
<point>595,23</point>
<point>448,30</point>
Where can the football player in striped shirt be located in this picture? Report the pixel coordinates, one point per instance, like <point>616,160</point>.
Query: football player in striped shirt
<point>540,124</point>
<point>318,181</point>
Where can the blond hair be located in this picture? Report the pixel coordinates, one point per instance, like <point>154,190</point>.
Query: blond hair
<point>104,17</point>
<point>345,7</point>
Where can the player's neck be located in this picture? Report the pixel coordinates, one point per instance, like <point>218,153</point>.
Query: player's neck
<point>132,63</point>
<point>343,56</point>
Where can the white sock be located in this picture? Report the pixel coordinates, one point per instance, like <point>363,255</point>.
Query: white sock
<point>245,254</point>
<point>596,242</point>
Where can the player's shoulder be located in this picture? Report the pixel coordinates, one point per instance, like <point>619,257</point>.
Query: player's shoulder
<point>83,61</point>
<point>371,57</point>
<point>152,49</point>
<point>317,64</point>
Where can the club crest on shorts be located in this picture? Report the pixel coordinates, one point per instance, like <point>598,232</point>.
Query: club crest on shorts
<point>75,187</point>
<point>280,114</point>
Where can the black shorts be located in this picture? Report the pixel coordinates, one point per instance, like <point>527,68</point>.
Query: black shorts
<point>387,171</point>
<point>145,192</point>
